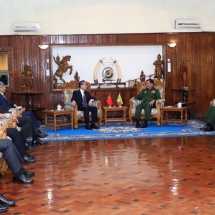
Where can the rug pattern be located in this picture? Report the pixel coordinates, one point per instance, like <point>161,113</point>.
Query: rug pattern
<point>120,131</point>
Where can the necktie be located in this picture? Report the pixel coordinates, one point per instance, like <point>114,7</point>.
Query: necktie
<point>84,100</point>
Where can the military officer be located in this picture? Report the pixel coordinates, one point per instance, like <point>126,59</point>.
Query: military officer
<point>210,119</point>
<point>148,96</point>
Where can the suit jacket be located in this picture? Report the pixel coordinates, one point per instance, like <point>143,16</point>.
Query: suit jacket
<point>4,103</point>
<point>77,97</point>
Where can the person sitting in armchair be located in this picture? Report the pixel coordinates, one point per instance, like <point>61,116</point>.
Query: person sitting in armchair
<point>84,101</point>
<point>148,96</point>
<point>210,119</point>
<point>6,105</point>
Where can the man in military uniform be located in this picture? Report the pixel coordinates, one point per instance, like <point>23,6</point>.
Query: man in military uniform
<point>210,119</point>
<point>148,96</point>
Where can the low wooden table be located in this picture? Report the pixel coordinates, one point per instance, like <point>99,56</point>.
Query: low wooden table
<point>181,110</point>
<point>114,109</point>
<point>54,114</point>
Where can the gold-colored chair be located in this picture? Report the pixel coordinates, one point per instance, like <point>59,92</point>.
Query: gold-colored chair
<point>155,113</point>
<point>3,164</point>
<point>212,102</point>
<point>68,89</point>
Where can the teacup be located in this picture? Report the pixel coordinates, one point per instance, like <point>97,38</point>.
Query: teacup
<point>179,105</point>
<point>59,107</point>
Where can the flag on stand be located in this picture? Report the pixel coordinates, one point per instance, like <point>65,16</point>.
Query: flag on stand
<point>119,100</point>
<point>109,101</point>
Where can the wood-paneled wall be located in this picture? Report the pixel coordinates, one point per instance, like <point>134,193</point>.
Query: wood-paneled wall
<point>196,50</point>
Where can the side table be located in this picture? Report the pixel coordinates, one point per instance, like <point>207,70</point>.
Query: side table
<point>54,114</point>
<point>114,109</point>
<point>181,110</point>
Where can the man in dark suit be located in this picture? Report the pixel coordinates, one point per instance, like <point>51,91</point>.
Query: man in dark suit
<point>6,105</point>
<point>84,101</point>
<point>27,130</point>
<point>21,175</point>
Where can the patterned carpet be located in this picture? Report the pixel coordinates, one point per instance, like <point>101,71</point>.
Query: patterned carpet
<point>120,131</point>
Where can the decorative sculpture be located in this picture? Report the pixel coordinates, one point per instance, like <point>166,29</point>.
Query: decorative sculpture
<point>27,78</point>
<point>184,75</point>
<point>142,77</point>
<point>76,76</point>
<point>63,66</point>
<point>108,71</point>
<point>158,67</point>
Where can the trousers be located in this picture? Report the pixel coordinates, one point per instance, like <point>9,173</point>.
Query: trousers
<point>10,155</point>
<point>147,108</point>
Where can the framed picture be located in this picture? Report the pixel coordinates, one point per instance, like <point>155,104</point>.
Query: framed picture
<point>4,77</point>
<point>131,83</point>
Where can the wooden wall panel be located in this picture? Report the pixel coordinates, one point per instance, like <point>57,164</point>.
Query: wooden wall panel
<point>197,50</point>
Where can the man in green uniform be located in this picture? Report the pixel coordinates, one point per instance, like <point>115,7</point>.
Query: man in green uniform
<point>148,96</point>
<point>210,119</point>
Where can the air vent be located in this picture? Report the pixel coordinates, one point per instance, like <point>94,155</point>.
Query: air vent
<point>27,27</point>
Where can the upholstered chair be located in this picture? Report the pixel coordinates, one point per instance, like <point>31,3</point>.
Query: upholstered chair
<point>155,113</point>
<point>212,102</point>
<point>3,164</point>
<point>68,89</point>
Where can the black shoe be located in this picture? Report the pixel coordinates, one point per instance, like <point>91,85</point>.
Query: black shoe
<point>94,126</point>
<point>30,155</point>
<point>206,125</point>
<point>145,124</point>
<point>37,142</point>
<point>28,159</point>
<point>5,201</point>
<point>137,124</point>
<point>22,179</point>
<point>41,135</point>
<point>88,127</point>
<point>3,207</point>
<point>29,146</point>
<point>209,128</point>
<point>29,174</point>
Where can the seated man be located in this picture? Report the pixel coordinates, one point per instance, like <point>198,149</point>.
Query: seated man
<point>27,128</point>
<point>210,119</point>
<point>148,96</point>
<point>84,101</point>
<point>10,155</point>
<point>6,105</point>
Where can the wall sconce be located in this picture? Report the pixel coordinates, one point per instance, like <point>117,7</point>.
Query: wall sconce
<point>172,44</point>
<point>43,46</point>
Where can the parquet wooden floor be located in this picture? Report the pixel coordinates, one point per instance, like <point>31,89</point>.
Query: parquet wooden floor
<point>161,176</point>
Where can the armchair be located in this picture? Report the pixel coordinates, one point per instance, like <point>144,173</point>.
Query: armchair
<point>212,102</point>
<point>159,103</point>
<point>68,89</point>
<point>3,164</point>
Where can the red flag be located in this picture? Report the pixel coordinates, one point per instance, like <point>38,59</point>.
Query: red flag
<point>109,101</point>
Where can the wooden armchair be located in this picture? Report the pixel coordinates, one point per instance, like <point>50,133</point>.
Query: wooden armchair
<point>68,89</point>
<point>212,102</point>
<point>159,103</point>
<point>3,164</point>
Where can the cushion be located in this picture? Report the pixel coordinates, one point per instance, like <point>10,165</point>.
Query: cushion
<point>68,94</point>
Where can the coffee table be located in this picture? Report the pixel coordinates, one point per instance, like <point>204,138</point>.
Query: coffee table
<point>167,109</point>
<point>54,114</point>
<point>115,109</point>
